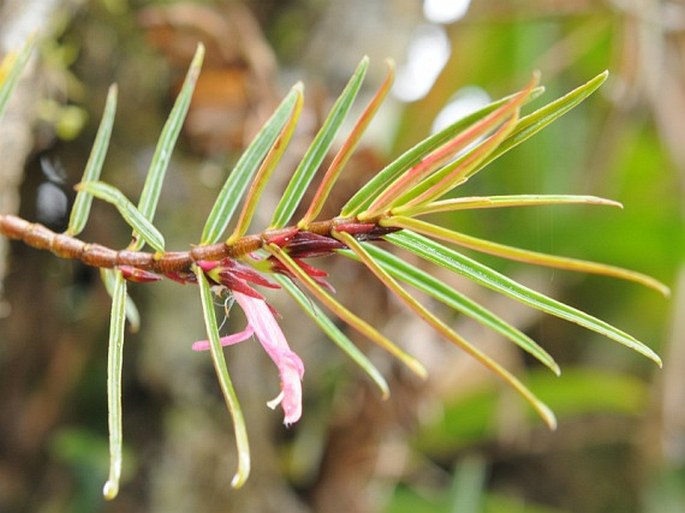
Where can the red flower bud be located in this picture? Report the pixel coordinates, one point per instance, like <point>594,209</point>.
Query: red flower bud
<point>134,274</point>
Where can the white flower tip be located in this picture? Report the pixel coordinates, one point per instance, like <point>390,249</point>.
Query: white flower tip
<point>275,401</point>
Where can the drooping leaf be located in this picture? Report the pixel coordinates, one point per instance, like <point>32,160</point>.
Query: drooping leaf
<point>233,189</point>
<point>81,209</point>
<point>115,357</point>
<point>221,369</point>
<point>483,275</point>
<point>128,211</point>
<point>445,331</point>
<point>317,151</point>
<point>334,333</point>
<point>436,288</point>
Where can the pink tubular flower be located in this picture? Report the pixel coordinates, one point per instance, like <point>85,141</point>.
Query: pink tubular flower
<point>262,323</point>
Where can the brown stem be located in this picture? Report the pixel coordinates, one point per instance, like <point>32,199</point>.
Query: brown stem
<point>96,255</point>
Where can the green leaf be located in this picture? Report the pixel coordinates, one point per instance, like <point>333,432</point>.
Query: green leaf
<point>483,275</point>
<point>335,169</point>
<point>10,71</point>
<point>512,200</point>
<point>445,331</point>
<point>128,211</point>
<point>344,314</point>
<point>318,150</point>
<point>334,333</point>
<point>524,255</point>
<point>449,296</point>
<point>108,277</point>
<point>454,173</point>
<point>152,188</point>
<point>221,369</point>
<point>115,357</point>
<point>81,209</point>
<point>270,162</point>
<point>505,117</point>
<point>534,122</point>
<point>363,198</point>
<point>238,180</point>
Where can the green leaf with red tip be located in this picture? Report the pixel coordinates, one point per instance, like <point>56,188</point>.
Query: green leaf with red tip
<point>363,198</point>
<point>312,159</point>
<point>346,151</point>
<point>238,180</point>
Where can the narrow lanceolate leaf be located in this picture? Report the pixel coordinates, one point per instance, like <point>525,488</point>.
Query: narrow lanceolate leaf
<point>343,313</point>
<point>318,150</point>
<point>444,330</point>
<point>115,357</point>
<point>109,277</point>
<point>268,165</point>
<point>229,197</point>
<point>81,209</point>
<point>338,164</point>
<point>128,211</point>
<point>167,141</point>
<point>10,71</point>
<point>524,255</point>
<point>483,275</point>
<point>363,198</point>
<point>534,122</point>
<point>334,333</point>
<point>454,173</point>
<point>514,200</point>
<point>448,151</point>
<point>423,281</point>
<point>221,369</point>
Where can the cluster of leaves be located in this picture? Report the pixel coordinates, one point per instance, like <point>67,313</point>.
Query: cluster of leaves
<point>387,207</point>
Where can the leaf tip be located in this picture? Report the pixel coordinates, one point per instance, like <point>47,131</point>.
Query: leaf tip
<point>548,416</point>
<point>555,369</point>
<point>110,490</point>
<point>238,480</point>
